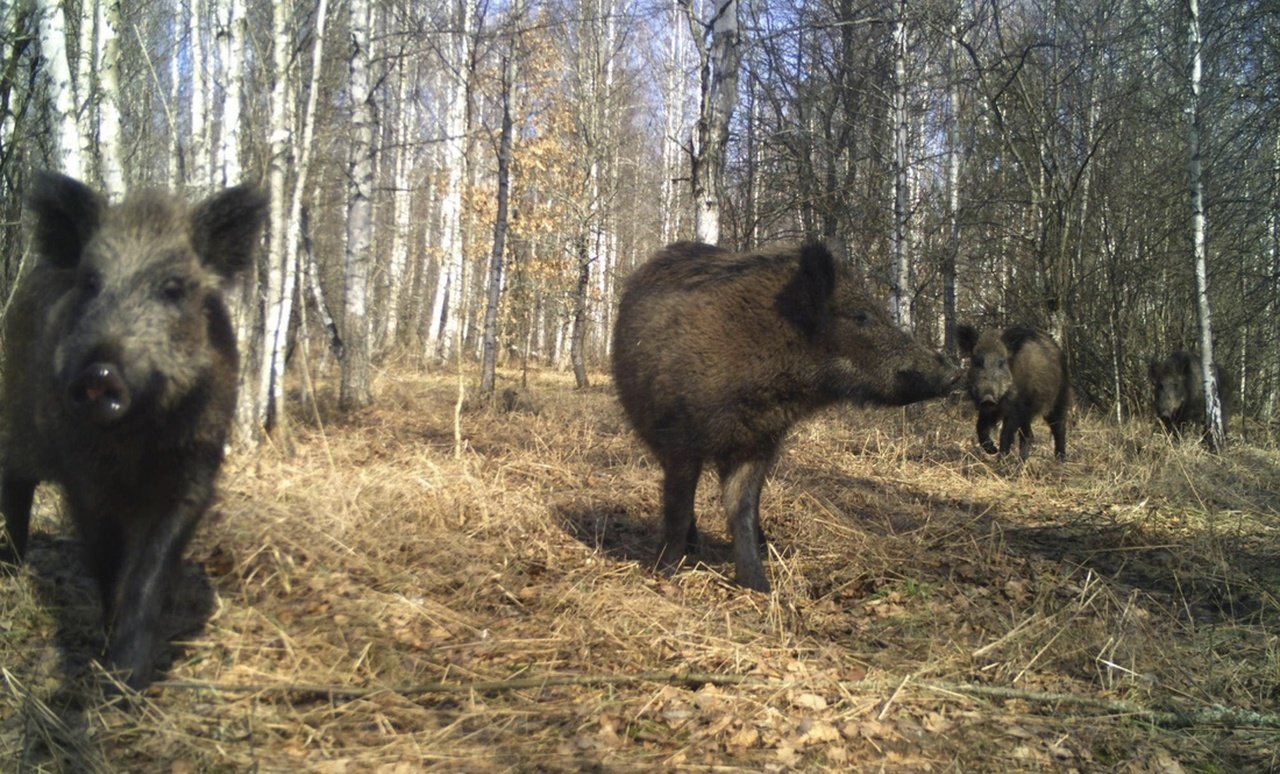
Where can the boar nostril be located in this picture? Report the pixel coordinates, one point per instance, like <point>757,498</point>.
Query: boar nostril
<point>100,392</point>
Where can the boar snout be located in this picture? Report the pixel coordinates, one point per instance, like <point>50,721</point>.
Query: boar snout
<point>100,393</point>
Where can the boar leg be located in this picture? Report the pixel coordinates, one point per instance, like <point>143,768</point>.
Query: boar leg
<point>15,500</point>
<point>740,484</point>
<point>987,421</point>
<point>1058,426</point>
<point>679,486</point>
<point>145,581</point>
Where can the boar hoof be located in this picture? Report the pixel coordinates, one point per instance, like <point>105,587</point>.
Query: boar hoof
<point>101,393</point>
<point>754,580</point>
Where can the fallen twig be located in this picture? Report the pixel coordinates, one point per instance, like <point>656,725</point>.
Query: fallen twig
<point>1213,715</point>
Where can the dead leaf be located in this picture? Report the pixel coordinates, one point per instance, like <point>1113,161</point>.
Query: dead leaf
<point>810,701</point>
<point>747,737</point>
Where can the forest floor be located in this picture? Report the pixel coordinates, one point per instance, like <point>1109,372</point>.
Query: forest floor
<point>374,602</point>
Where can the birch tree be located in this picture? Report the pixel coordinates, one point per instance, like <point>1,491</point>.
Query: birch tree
<point>900,301</point>
<point>282,272</point>
<point>720,52</point>
<point>108,96</point>
<point>355,389</point>
<point>63,114</point>
<point>405,168</point>
<point>489,357</point>
<point>200,151</point>
<point>231,69</point>
<point>1215,434</point>
<point>446,316</point>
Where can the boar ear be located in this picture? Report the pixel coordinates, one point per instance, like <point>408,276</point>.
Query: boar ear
<point>967,338</point>
<point>803,299</point>
<point>225,228</point>
<point>67,212</point>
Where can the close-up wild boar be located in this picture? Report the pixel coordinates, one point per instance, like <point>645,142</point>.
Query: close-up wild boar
<point>1178,384</point>
<point>119,385</point>
<point>716,355</point>
<point>1014,377</point>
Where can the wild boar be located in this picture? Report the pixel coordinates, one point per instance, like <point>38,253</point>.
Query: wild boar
<point>1014,377</point>
<point>119,385</point>
<point>716,355</point>
<point>1178,384</point>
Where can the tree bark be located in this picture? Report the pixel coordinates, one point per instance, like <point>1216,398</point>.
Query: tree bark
<point>108,98</point>
<point>1215,435</point>
<point>63,116</point>
<point>718,94</point>
<point>901,299</point>
<point>489,358</point>
<point>355,390</point>
<point>578,338</point>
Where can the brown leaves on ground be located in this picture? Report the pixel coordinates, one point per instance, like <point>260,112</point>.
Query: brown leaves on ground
<point>376,604</point>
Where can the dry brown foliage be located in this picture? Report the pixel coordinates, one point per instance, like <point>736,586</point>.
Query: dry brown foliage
<point>374,603</point>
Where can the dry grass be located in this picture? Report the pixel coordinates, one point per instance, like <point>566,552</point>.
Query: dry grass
<point>374,603</point>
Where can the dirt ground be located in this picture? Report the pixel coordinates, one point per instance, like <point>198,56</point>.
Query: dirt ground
<point>375,602</point>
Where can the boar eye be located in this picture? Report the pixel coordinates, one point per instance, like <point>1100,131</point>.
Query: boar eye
<point>174,289</point>
<point>977,361</point>
<point>862,317</point>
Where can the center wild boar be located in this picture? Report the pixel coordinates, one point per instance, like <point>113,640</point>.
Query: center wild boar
<point>119,385</point>
<point>1015,377</point>
<point>716,355</point>
<point>1178,381</point>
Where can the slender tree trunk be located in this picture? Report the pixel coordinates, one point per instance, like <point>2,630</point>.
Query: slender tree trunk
<point>577,343</point>
<point>356,389</point>
<point>718,94</point>
<point>450,296</point>
<point>402,198</point>
<point>282,266</point>
<point>1273,294</point>
<point>900,247</point>
<point>1215,434</point>
<point>228,165</point>
<point>953,187</point>
<point>489,358</point>
<point>63,116</point>
<point>109,139</point>
<point>200,151</point>
<point>673,120</point>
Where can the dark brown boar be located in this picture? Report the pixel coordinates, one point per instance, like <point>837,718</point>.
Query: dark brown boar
<point>1178,383</point>
<point>119,385</point>
<point>716,355</point>
<point>1014,377</point>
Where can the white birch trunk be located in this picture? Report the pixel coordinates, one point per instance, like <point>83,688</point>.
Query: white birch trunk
<point>86,71</point>
<point>282,271</point>
<point>1214,431</point>
<point>108,97</point>
<point>355,389</point>
<point>232,67</point>
<point>719,95</point>
<point>673,99</point>
<point>200,151</point>
<point>900,248</point>
<point>402,198</point>
<point>63,120</point>
<point>1273,297</point>
<point>450,297</point>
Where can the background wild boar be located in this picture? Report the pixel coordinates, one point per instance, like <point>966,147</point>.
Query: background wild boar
<point>119,384</point>
<point>1178,383</point>
<point>716,355</point>
<point>1013,378</point>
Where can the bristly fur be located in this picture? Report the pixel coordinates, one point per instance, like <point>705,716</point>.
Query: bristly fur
<point>716,355</point>
<point>128,300</point>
